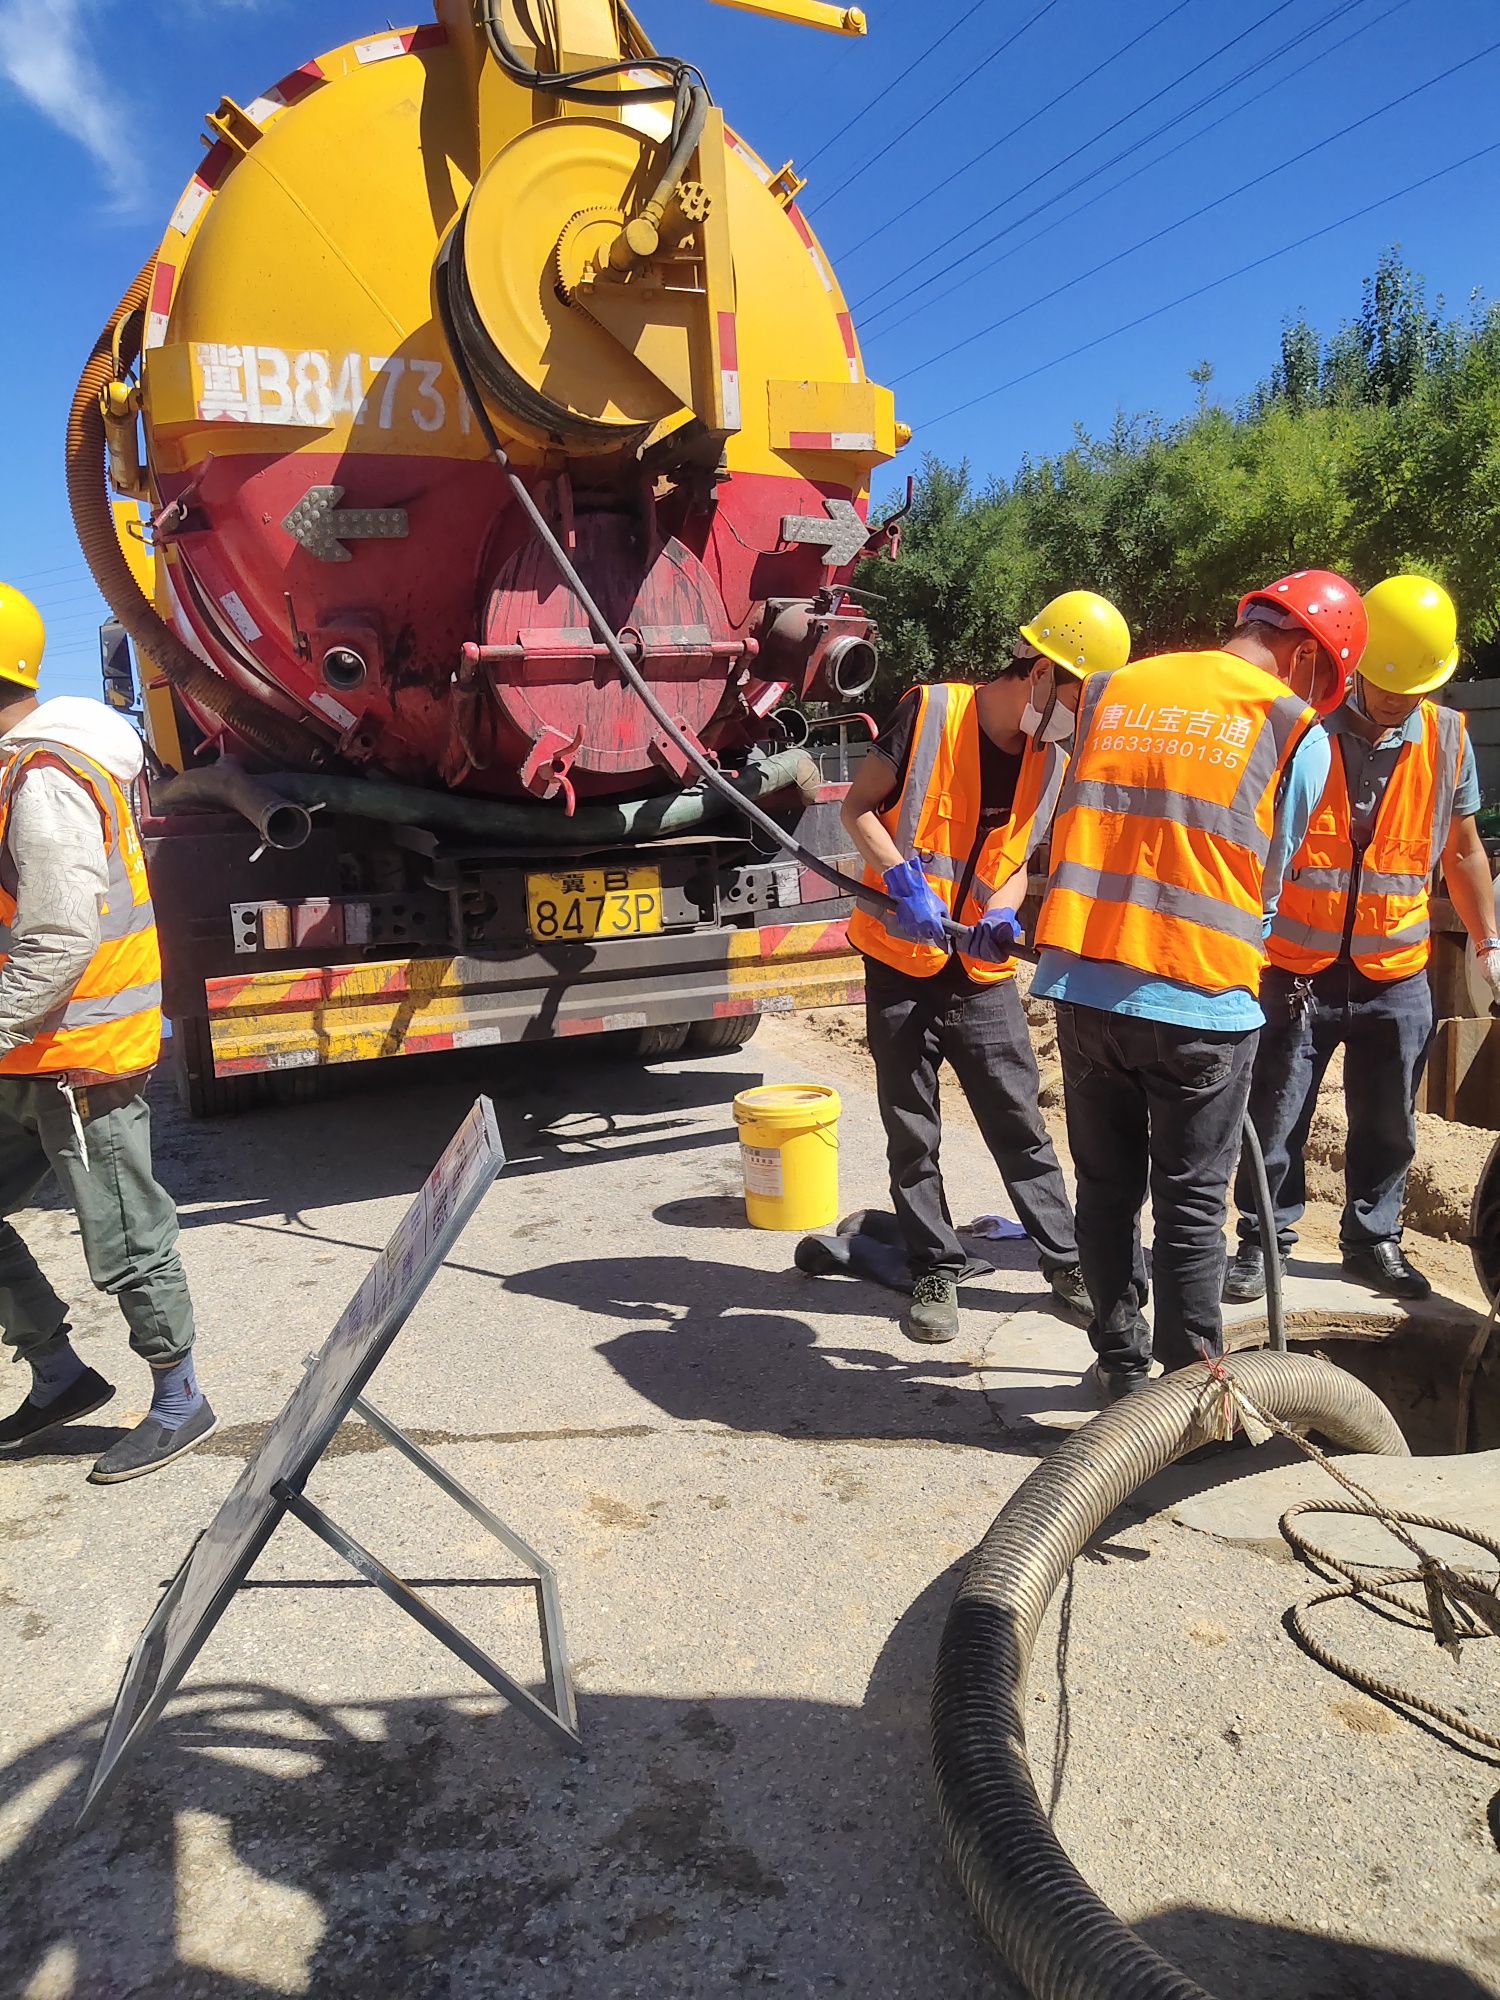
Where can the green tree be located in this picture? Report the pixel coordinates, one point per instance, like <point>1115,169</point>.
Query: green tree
<point>1374,451</point>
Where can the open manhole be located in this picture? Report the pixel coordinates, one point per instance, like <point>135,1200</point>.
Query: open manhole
<point>1413,1361</point>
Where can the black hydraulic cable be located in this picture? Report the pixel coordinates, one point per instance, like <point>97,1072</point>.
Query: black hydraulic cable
<point>1173,123</point>
<point>1213,285</point>
<point>1102,194</point>
<point>571,84</point>
<point>905,77</point>
<point>1269,1243</point>
<point>609,638</point>
<point>1197,214</point>
<point>961,84</point>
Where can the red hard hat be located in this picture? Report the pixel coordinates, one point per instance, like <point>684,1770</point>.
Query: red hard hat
<point>1329,606</point>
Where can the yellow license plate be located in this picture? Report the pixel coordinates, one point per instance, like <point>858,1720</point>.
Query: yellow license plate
<point>593,903</point>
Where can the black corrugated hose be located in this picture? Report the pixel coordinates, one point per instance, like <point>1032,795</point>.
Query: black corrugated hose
<point>1058,1938</point>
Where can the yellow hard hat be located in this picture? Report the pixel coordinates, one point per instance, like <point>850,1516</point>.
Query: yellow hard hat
<point>22,638</point>
<point>1413,644</point>
<point>1081,632</point>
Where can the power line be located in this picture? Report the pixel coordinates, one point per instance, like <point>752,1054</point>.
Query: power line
<point>1189,139</point>
<point>904,76</point>
<point>1015,130</point>
<point>1274,55</point>
<point>1214,284</point>
<point>963,82</point>
<point>1207,208</point>
<point>78,568</point>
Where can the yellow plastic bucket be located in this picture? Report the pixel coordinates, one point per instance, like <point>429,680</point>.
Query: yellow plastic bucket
<point>789,1148</point>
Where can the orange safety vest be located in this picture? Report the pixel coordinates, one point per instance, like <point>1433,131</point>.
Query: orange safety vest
<point>936,821</point>
<point>110,1025</point>
<point>1166,818</point>
<point>1386,882</point>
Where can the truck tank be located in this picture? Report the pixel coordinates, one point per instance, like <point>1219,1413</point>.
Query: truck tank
<point>430,283</point>
<point>558,221</point>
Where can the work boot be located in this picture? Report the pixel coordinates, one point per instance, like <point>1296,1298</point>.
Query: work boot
<point>152,1445</point>
<point>1110,1385</point>
<point>932,1315</point>
<point>81,1398</point>
<point>1246,1277</point>
<point>1383,1268</point>
<point>1071,1293</point>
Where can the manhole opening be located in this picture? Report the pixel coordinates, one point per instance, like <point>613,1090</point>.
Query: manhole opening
<point>1414,1362</point>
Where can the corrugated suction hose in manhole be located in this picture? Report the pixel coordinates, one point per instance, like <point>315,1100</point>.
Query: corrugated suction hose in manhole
<point>1059,1939</point>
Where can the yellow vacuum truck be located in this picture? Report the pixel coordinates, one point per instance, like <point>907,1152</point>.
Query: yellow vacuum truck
<point>444,318</point>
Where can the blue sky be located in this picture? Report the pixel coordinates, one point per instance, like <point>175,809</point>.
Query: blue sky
<point>101,104</point>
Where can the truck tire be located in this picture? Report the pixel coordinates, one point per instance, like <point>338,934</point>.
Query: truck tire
<point>728,1031</point>
<point>204,1095</point>
<point>647,1044</point>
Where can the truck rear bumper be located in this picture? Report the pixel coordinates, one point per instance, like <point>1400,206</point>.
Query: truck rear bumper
<point>302,1018</point>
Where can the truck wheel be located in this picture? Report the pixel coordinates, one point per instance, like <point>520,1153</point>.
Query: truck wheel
<point>728,1031</point>
<point>649,1043</point>
<point>204,1095</point>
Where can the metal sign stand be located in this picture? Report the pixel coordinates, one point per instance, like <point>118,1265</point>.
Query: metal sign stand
<point>561,1719</point>
<point>272,1484</point>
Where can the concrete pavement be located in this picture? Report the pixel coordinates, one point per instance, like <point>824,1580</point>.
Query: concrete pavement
<point>757,1495</point>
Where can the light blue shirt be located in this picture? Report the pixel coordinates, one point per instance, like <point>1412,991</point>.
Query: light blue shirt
<point>1466,794</point>
<point>1121,989</point>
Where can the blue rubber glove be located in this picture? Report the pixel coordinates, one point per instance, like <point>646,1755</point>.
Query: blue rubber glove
<point>994,938</point>
<point>920,912</point>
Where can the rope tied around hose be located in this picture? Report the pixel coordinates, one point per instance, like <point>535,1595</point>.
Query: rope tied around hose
<point>1457,1604</point>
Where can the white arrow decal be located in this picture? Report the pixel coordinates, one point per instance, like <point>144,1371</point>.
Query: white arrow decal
<point>322,528</point>
<point>842,535</point>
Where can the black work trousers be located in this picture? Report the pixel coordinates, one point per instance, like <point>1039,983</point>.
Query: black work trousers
<point>1385,1028</point>
<point>1152,1105</point>
<point>914,1025</point>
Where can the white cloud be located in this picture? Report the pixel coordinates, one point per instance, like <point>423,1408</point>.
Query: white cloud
<point>44,52</point>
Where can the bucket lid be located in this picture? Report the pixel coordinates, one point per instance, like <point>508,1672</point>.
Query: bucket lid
<point>790,1103</point>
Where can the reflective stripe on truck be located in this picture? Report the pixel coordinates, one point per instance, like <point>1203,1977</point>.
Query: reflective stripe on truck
<point>311,1016</point>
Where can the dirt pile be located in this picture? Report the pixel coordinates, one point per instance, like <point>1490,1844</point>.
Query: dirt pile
<point>1450,1158</point>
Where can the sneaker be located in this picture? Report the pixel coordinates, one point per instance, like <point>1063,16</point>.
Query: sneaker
<point>932,1315</point>
<point>151,1445</point>
<point>1110,1385</point>
<point>80,1399</point>
<point>1382,1267</point>
<point>1071,1293</point>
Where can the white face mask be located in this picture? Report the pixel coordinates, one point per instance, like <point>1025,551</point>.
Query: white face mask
<point>1053,724</point>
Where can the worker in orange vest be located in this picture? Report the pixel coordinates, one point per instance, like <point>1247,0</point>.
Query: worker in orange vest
<point>1193,779</point>
<point>946,811</point>
<point>80,1027</point>
<point>1351,939</point>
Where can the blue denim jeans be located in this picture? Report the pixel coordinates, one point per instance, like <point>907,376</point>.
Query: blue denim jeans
<point>1385,1029</point>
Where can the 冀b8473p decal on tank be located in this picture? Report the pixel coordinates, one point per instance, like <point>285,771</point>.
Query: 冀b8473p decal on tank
<point>257,384</point>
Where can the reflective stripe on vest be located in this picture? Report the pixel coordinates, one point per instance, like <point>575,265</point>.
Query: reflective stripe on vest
<point>1166,817</point>
<point>1391,933</point>
<point>110,1024</point>
<point>936,821</point>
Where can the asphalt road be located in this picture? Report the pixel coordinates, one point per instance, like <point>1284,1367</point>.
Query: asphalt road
<point>757,1495</point>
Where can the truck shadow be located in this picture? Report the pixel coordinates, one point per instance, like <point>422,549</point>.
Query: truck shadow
<point>434,1846</point>
<point>557,1111</point>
